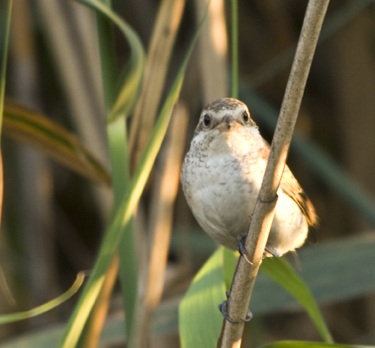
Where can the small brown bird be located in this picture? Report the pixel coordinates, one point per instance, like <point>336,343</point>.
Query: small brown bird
<point>222,174</point>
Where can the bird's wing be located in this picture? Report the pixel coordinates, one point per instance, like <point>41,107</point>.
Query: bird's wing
<point>290,186</point>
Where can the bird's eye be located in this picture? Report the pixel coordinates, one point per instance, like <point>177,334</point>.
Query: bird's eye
<point>207,120</point>
<point>245,117</point>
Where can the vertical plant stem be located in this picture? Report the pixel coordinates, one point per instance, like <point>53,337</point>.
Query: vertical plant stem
<point>119,159</point>
<point>94,326</point>
<point>234,92</point>
<point>163,197</point>
<point>117,143</point>
<point>127,193</point>
<point>246,273</point>
<point>159,52</point>
<point>5,33</point>
<point>213,50</point>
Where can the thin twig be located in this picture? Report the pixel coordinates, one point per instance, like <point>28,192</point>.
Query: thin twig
<point>245,276</point>
<point>234,92</point>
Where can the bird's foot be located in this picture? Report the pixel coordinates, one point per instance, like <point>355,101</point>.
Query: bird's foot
<point>241,238</point>
<point>223,307</point>
<point>271,200</point>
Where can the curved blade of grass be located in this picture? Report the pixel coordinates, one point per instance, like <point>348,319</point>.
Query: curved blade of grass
<point>199,317</point>
<point>129,87</point>
<point>119,104</point>
<point>306,344</point>
<point>32,128</point>
<point>13,317</point>
<point>283,274</point>
<point>122,218</point>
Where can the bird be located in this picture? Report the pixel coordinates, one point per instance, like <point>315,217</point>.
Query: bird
<point>221,176</point>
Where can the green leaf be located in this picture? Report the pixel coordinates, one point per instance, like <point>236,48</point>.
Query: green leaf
<point>132,76</point>
<point>283,274</point>
<point>32,128</point>
<point>305,344</point>
<point>276,269</point>
<point>13,317</point>
<point>333,270</point>
<point>199,317</point>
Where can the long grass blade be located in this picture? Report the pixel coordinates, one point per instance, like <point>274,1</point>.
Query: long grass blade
<point>306,344</point>
<point>129,87</point>
<point>4,32</point>
<point>120,98</point>
<point>18,316</point>
<point>158,56</point>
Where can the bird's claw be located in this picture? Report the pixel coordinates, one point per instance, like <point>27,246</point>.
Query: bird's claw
<point>241,238</point>
<point>223,307</point>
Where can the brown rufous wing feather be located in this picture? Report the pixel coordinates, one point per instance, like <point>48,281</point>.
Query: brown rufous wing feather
<point>291,187</point>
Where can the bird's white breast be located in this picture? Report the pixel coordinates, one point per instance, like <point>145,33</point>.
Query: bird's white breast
<point>221,185</point>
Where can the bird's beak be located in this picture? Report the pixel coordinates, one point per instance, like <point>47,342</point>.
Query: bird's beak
<point>226,123</point>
